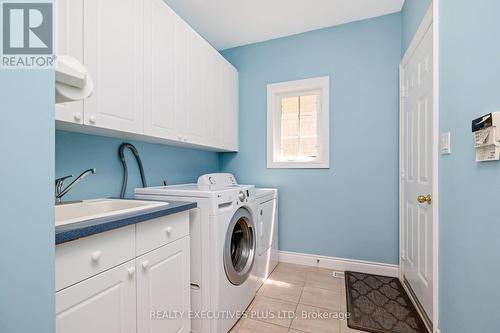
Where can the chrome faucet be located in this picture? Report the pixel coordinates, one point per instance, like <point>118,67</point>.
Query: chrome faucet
<point>60,182</point>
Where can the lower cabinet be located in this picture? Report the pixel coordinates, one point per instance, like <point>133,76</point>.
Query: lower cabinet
<point>105,303</point>
<point>163,289</point>
<point>145,290</point>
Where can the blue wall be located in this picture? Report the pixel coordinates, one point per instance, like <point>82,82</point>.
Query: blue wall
<point>76,152</point>
<point>412,14</point>
<point>350,210</point>
<point>469,192</point>
<point>26,201</point>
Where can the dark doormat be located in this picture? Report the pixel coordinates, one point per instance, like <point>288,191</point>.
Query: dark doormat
<point>380,304</point>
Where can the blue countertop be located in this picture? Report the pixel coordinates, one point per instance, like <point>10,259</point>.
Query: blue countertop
<point>73,231</point>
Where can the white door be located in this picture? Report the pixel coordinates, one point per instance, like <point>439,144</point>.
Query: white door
<point>70,42</point>
<point>113,54</point>
<point>417,172</point>
<point>163,286</point>
<point>160,114</point>
<point>101,304</point>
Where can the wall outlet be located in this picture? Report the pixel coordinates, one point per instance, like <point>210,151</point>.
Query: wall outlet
<point>338,275</point>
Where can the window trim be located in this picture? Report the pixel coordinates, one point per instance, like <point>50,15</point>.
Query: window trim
<point>275,92</point>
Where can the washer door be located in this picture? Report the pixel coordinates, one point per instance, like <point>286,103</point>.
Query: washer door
<point>239,247</point>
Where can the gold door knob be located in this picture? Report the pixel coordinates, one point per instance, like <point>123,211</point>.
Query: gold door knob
<point>423,199</point>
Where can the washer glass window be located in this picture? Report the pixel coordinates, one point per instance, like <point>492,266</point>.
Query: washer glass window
<point>239,247</point>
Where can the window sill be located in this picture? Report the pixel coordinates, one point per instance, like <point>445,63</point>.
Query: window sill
<point>298,165</point>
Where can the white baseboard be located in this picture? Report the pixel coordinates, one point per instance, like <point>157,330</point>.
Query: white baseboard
<point>339,264</point>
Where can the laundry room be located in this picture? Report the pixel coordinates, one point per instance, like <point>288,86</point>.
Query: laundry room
<point>212,166</point>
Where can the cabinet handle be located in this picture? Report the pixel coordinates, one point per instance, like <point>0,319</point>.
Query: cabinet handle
<point>169,230</point>
<point>95,256</point>
<point>77,116</point>
<point>92,119</point>
<point>131,271</point>
<point>145,264</point>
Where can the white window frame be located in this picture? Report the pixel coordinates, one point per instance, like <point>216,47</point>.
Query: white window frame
<point>275,92</point>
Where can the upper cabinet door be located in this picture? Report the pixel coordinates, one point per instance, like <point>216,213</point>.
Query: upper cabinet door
<point>161,118</point>
<point>211,109</point>
<point>229,106</point>
<point>183,34</point>
<point>218,100</point>
<point>70,42</point>
<point>102,304</point>
<point>113,54</point>
<point>196,130</point>
<point>235,109</point>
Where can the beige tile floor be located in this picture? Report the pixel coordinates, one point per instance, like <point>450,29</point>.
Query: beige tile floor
<point>291,300</point>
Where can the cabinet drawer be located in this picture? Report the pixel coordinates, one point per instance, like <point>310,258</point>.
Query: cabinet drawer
<point>83,258</point>
<point>163,230</point>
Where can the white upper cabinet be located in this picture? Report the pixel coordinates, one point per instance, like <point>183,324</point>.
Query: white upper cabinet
<point>235,110</point>
<point>183,34</point>
<point>229,132</point>
<point>113,54</point>
<point>196,127</point>
<point>155,78</point>
<point>70,42</point>
<point>210,111</point>
<point>161,118</point>
<point>218,93</point>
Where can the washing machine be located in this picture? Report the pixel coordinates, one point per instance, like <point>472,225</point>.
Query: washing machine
<point>267,228</point>
<point>223,231</point>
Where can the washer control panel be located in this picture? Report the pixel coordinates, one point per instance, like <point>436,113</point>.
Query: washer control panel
<point>217,180</point>
<point>244,195</point>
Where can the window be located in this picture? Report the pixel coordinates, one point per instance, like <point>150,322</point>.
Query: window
<point>298,124</point>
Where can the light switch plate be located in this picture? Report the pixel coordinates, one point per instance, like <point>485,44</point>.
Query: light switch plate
<point>445,143</point>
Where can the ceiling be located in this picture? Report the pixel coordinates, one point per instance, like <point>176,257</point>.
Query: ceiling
<point>230,23</point>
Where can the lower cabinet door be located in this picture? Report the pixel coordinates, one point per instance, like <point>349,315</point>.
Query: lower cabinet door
<point>105,303</point>
<point>163,289</point>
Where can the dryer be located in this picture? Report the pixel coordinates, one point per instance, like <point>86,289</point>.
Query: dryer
<point>267,238</point>
<point>223,247</point>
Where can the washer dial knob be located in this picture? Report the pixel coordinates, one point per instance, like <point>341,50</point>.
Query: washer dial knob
<point>242,196</point>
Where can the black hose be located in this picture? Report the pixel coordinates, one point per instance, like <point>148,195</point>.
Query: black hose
<point>121,151</point>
